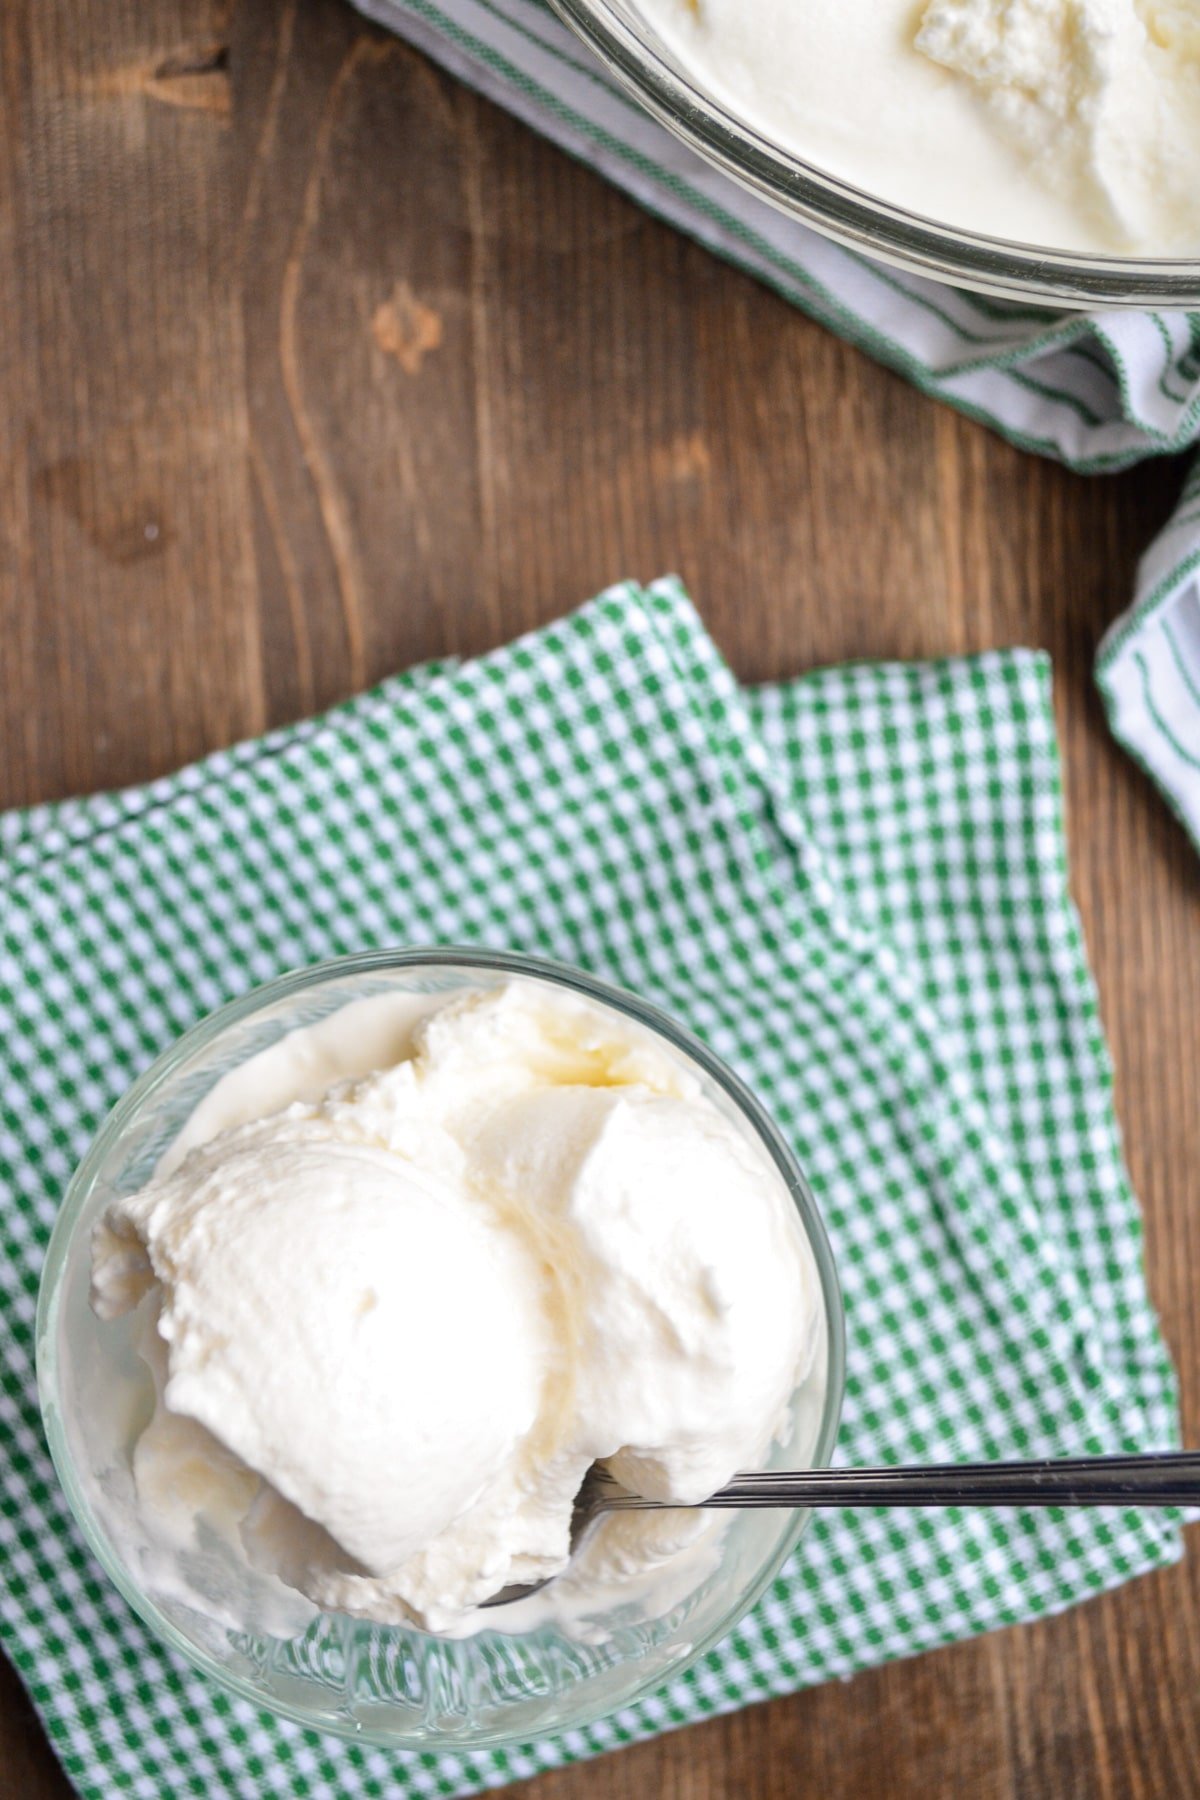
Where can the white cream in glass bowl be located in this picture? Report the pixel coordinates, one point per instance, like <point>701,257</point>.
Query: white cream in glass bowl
<point>357,1283</point>
<point>1040,149</point>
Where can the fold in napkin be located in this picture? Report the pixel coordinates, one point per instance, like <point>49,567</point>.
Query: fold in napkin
<point>1098,391</point>
<point>852,885</point>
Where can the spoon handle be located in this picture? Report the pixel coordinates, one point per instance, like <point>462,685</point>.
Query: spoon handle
<point>1161,1479</point>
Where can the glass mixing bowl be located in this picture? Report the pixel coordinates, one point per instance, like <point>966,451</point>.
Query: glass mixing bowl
<point>392,1686</point>
<point>652,71</point>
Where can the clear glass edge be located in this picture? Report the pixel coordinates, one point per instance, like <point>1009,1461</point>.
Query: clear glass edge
<point>256,999</point>
<point>856,219</point>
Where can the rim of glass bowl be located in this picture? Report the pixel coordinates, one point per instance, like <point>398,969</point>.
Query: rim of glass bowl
<point>199,1038</point>
<point>857,219</point>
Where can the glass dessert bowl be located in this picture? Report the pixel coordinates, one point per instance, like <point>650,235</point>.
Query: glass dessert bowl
<point>651,68</point>
<point>393,1685</point>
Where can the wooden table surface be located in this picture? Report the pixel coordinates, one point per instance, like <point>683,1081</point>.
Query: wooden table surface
<point>313,365</point>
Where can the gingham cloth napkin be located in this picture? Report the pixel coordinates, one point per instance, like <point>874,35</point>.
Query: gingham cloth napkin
<point>1097,391</point>
<point>854,886</point>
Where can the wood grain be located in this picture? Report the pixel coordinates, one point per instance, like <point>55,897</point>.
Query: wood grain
<point>314,365</point>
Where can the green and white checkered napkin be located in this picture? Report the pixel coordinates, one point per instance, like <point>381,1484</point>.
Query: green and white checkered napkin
<point>854,886</point>
<point>1098,391</point>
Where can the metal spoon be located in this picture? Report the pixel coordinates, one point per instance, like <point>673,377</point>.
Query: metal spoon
<point>1167,1478</point>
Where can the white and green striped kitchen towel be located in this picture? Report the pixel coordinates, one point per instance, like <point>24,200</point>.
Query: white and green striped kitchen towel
<point>854,885</point>
<point>1098,391</point>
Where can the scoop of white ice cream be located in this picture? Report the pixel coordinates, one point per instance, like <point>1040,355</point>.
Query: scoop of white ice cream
<point>324,1305</point>
<point>684,1297</point>
<point>418,1308</point>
